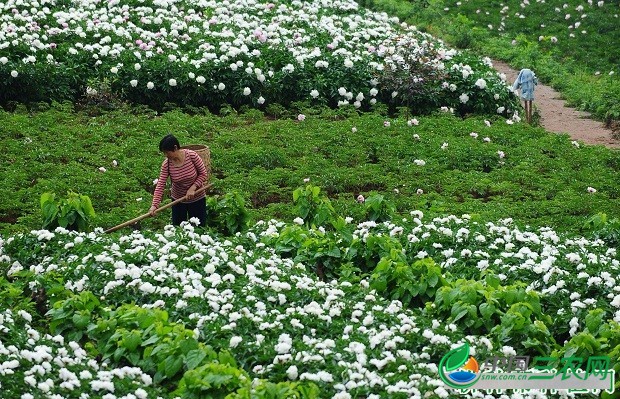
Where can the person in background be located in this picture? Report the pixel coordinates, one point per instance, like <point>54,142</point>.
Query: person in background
<point>187,173</point>
<point>526,81</point>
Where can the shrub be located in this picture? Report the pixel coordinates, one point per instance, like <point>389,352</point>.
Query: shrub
<point>73,213</point>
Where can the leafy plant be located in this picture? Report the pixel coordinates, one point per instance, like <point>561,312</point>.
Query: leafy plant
<point>312,206</point>
<point>281,390</point>
<point>73,213</point>
<point>511,314</point>
<point>378,209</point>
<point>212,380</point>
<point>413,284</point>
<point>141,337</point>
<point>227,214</point>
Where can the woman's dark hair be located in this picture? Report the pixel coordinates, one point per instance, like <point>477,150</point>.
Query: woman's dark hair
<point>169,143</point>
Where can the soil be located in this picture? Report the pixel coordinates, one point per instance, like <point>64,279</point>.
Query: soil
<point>556,117</point>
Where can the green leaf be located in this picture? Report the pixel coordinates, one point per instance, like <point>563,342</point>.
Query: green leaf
<point>81,320</point>
<point>132,340</point>
<point>487,310</point>
<point>492,281</point>
<point>194,358</point>
<point>173,364</point>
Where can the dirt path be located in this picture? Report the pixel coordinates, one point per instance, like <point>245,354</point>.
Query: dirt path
<point>556,117</point>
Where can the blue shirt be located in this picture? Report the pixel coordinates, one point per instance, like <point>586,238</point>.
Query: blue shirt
<point>526,82</point>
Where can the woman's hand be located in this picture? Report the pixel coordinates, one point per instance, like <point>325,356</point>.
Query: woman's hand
<point>152,211</point>
<point>191,192</point>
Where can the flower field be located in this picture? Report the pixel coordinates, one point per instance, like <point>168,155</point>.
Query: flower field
<point>570,44</point>
<point>254,299</point>
<point>355,284</point>
<point>252,53</point>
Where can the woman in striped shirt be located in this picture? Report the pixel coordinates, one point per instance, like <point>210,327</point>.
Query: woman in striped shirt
<point>187,173</point>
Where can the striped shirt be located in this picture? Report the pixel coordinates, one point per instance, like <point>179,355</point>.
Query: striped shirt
<point>192,171</point>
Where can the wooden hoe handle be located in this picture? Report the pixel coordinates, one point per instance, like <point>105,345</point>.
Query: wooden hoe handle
<point>148,214</point>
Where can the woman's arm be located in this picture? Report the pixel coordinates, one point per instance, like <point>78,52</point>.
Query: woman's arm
<point>159,188</point>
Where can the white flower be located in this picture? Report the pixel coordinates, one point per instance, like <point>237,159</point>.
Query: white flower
<point>114,70</point>
<point>501,154</point>
<point>591,190</point>
<point>222,86</point>
<point>133,83</point>
<point>172,82</point>
<point>201,79</point>
<point>444,146</point>
<point>191,75</point>
<point>247,91</point>
<point>14,74</point>
<point>394,94</point>
<point>360,198</point>
<point>292,373</point>
<point>150,85</point>
<point>464,98</point>
<point>3,60</point>
<point>301,117</point>
<point>373,92</point>
<point>486,122</point>
<point>486,139</point>
<point>353,129</point>
<point>260,100</point>
<point>342,91</point>
<point>234,341</point>
<point>419,191</point>
<point>102,169</point>
<point>419,162</point>
<point>481,83</point>
<point>137,67</point>
<point>575,143</point>
<point>474,134</point>
<point>298,220</point>
<point>314,93</point>
<point>348,63</point>
<point>413,122</point>
<point>307,180</point>
<point>500,110</point>
<point>115,163</point>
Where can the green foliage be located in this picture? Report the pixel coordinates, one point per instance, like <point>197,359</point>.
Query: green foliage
<point>511,314</point>
<point>600,227</point>
<point>212,380</point>
<point>227,213</point>
<point>414,284</point>
<point>281,390</point>
<point>73,213</point>
<point>378,209</point>
<point>312,206</point>
<point>567,46</point>
<point>143,338</point>
<point>540,182</point>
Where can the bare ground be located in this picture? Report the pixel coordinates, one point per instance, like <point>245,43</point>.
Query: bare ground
<point>556,117</point>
